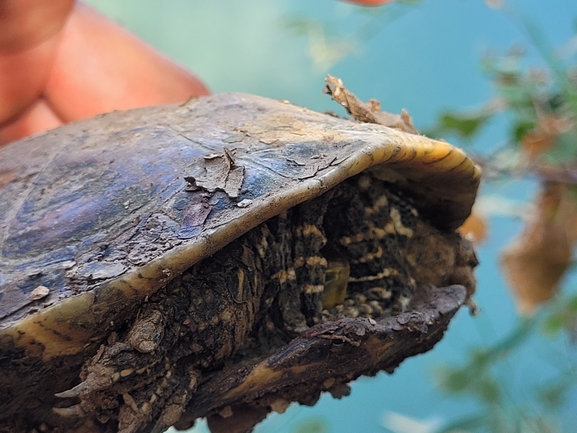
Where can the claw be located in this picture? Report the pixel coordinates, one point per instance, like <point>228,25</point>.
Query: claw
<point>159,427</point>
<point>132,417</point>
<point>75,411</point>
<point>173,411</point>
<point>72,392</point>
<point>94,382</point>
<point>169,417</point>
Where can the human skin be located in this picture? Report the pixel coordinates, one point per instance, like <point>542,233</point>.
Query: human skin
<point>60,61</point>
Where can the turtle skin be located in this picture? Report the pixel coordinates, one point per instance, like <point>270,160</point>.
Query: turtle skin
<point>145,251</point>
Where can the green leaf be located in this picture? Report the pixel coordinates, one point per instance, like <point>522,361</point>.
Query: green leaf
<point>562,317</point>
<point>488,390</point>
<point>465,124</point>
<point>518,99</point>
<point>553,324</point>
<point>315,425</point>
<point>520,129</point>
<point>453,380</point>
<point>553,396</point>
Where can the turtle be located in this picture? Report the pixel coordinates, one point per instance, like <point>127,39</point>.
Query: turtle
<point>221,258</point>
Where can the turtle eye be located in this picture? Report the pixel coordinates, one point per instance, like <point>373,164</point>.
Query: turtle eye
<point>336,279</point>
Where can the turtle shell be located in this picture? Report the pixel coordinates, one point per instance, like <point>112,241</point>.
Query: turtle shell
<point>98,215</point>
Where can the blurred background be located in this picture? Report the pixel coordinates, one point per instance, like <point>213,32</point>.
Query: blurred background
<point>500,371</point>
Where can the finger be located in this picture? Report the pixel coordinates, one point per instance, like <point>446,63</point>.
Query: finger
<point>101,67</point>
<point>37,118</point>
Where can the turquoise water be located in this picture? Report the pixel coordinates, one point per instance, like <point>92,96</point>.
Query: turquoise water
<point>425,59</point>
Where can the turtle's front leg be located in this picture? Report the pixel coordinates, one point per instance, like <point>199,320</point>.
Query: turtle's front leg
<point>137,379</point>
<point>147,372</point>
<point>172,395</point>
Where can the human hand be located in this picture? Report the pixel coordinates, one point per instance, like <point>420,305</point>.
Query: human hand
<point>62,61</point>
